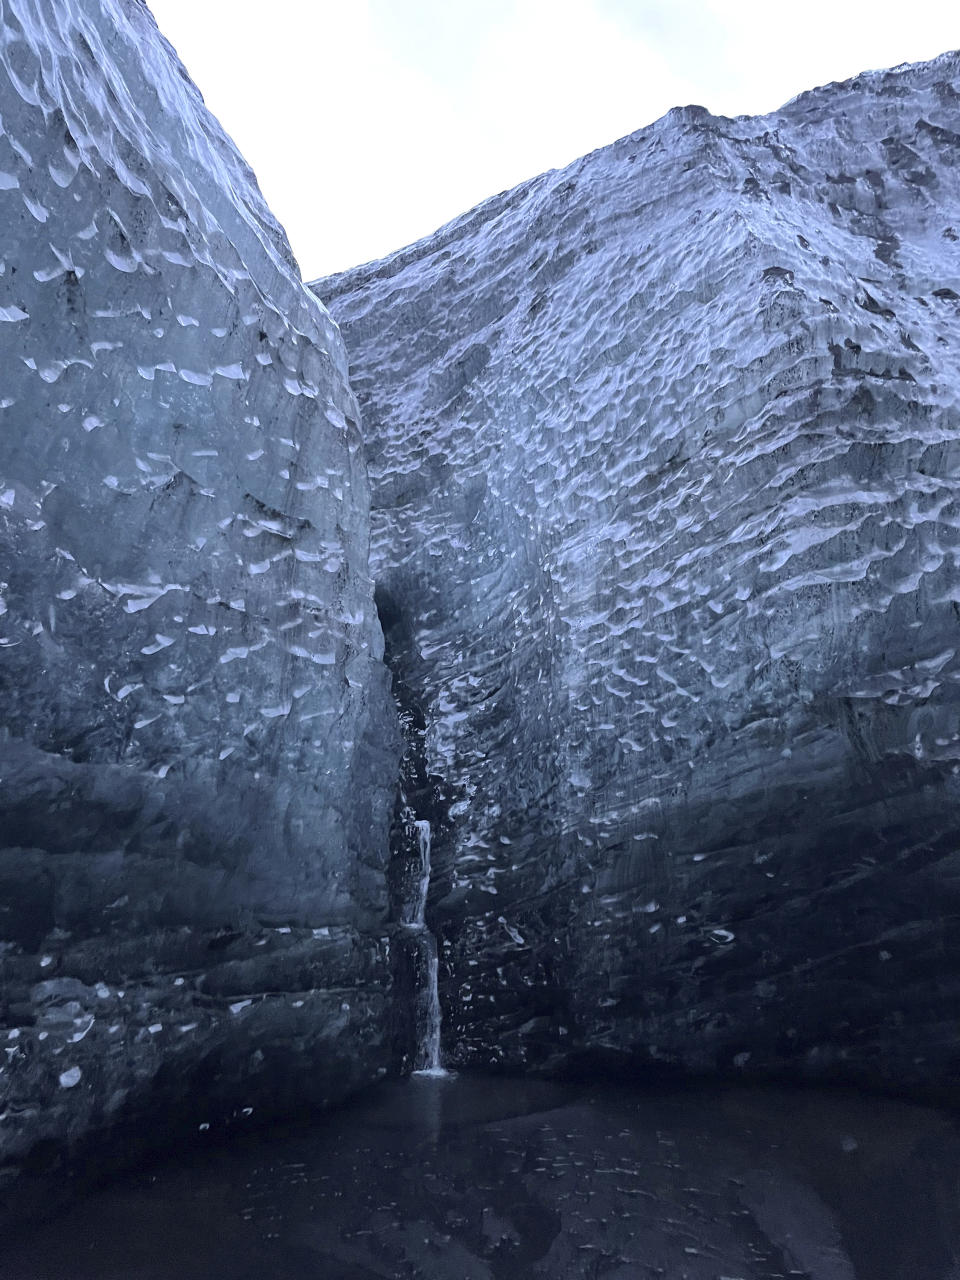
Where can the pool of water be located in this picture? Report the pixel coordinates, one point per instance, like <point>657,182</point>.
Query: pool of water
<point>470,1178</point>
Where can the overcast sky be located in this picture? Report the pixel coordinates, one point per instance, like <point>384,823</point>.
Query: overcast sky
<point>370,123</point>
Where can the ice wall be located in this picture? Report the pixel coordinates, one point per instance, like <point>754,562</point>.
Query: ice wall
<point>197,755</point>
<point>665,459</point>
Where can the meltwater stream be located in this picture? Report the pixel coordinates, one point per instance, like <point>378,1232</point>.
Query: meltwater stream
<point>428,1060</point>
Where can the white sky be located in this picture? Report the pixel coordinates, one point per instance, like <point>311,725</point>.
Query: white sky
<point>370,123</point>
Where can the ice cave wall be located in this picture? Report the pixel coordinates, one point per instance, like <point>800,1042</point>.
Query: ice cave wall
<point>665,454</point>
<point>198,746</point>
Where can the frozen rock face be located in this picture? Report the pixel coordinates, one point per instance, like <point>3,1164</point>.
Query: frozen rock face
<point>197,756</point>
<point>666,455</point>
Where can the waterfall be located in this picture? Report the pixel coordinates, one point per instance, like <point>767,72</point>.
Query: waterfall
<point>412,916</point>
<point>428,1061</point>
<point>418,904</point>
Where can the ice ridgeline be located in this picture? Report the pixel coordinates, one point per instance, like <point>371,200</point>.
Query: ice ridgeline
<point>428,1061</point>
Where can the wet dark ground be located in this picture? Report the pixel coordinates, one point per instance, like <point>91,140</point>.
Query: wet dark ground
<point>470,1179</point>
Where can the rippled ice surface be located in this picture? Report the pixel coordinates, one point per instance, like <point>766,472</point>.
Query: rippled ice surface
<point>467,1178</point>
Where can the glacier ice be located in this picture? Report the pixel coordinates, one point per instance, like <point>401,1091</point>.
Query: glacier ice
<point>197,738</point>
<point>665,463</point>
<point>664,526</point>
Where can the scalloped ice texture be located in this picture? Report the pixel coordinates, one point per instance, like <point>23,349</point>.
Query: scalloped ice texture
<point>665,453</point>
<point>198,737</point>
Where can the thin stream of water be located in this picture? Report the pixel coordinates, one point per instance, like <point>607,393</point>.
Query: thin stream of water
<point>424,839</point>
<point>428,1061</point>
